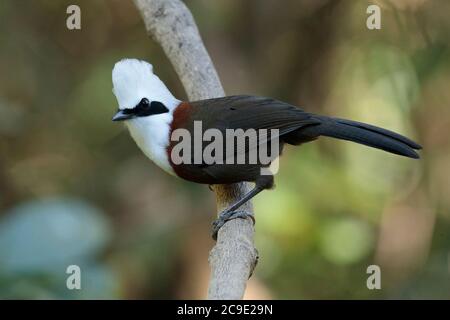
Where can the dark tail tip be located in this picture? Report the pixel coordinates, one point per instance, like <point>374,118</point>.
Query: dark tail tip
<point>413,154</point>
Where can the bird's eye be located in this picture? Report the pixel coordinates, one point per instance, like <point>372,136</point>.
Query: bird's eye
<point>144,104</point>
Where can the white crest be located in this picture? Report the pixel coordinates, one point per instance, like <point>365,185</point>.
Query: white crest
<point>134,79</point>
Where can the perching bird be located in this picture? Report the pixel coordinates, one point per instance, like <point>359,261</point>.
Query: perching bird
<point>152,114</point>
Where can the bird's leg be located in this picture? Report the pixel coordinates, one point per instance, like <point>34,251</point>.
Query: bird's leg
<point>230,213</point>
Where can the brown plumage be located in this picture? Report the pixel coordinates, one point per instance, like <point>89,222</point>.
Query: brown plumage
<point>295,127</point>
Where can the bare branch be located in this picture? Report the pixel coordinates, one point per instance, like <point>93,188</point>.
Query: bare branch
<point>171,24</point>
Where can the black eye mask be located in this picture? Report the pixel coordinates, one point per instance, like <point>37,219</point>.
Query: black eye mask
<point>146,108</point>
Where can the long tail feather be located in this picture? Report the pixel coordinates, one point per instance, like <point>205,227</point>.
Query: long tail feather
<point>364,134</point>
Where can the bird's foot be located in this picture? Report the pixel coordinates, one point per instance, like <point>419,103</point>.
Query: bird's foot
<point>227,216</point>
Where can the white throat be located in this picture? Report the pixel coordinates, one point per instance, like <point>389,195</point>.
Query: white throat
<point>134,80</point>
<point>151,134</point>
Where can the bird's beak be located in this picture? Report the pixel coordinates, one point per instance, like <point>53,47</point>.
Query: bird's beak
<point>121,116</point>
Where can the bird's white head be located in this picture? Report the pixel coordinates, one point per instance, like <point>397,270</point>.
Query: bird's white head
<point>146,106</point>
<point>139,91</point>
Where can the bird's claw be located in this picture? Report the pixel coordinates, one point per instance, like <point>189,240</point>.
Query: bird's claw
<point>227,216</point>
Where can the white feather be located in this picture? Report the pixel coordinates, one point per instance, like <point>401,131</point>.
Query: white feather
<point>133,80</point>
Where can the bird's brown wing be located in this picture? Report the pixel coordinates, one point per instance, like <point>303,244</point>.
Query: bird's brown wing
<point>236,112</point>
<point>249,112</point>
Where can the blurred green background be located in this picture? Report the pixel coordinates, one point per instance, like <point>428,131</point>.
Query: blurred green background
<point>75,189</point>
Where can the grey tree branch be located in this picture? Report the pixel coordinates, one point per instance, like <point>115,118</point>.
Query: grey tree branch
<point>171,24</point>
